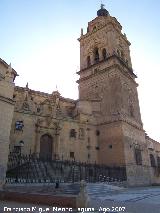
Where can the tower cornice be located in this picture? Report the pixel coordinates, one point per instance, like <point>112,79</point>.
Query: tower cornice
<point>106,21</point>
<point>108,58</point>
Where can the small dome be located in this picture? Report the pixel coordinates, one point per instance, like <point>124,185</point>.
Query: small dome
<point>102,11</point>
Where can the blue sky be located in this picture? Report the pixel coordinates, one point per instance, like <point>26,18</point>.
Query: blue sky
<point>39,38</point>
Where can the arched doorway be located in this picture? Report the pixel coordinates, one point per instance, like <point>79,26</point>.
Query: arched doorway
<point>46,144</point>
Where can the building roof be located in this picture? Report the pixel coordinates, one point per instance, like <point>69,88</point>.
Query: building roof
<point>7,65</point>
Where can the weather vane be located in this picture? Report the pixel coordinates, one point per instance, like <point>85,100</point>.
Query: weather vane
<point>102,5</point>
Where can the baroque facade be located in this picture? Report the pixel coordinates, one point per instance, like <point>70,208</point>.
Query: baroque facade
<point>104,125</point>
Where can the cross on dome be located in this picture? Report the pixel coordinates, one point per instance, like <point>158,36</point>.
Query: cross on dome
<point>102,6</point>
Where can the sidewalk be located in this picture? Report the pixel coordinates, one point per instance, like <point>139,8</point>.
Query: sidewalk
<point>134,200</point>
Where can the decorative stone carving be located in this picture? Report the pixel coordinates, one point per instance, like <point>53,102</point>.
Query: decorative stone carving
<point>25,106</point>
<point>57,128</point>
<point>9,74</point>
<point>48,121</point>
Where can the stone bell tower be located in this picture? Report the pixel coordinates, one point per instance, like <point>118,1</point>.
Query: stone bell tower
<point>106,70</point>
<point>106,75</point>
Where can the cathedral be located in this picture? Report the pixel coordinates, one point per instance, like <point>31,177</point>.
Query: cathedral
<point>104,125</point>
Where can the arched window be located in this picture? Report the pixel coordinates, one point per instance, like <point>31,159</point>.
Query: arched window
<point>38,109</point>
<point>122,54</point>
<point>96,55</point>
<point>88,61</point>
<point>118,52</point>
<point>94,28</point>
<point>72,133</point>
<point>97,132</point>
<point>14,96</point>
<point>104,54</point>
<point>153,162</point>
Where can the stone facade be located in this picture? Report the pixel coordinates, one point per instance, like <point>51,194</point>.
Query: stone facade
<point>104,125</point>
<point>106,75</point>
<point>61,119</point>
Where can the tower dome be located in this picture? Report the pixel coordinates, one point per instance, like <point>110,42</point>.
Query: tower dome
<point>102,11</point>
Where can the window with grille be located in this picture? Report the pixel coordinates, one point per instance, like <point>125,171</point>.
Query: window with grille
<point>71,154</point>
<point>73,133</point>
<point>104,53</point>
<point>96,55</point>
<point>19,125</point>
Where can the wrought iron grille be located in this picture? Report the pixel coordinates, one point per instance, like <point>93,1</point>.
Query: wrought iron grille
<point>32,169</point>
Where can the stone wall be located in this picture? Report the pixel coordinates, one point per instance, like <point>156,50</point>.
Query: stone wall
<point>6,115</point>
<point>134,138</point>
<point>154,150</point>
<point>111,146</point>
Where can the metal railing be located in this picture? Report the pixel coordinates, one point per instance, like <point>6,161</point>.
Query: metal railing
<point>32,169</point>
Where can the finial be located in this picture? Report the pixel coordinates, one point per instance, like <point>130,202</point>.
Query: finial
<point>9,75</point>
<point>81,31</point>
<point>102,11</point>
<point>56,88</point>
<point>10,68</point>
<point>27,85</point>
<point>102,6</point>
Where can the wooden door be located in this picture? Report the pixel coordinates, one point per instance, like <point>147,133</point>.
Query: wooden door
<point>46,143</point>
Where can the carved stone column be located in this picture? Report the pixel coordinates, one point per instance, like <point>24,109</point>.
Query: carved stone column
<point>37,139</point>
<point>57,139</point>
